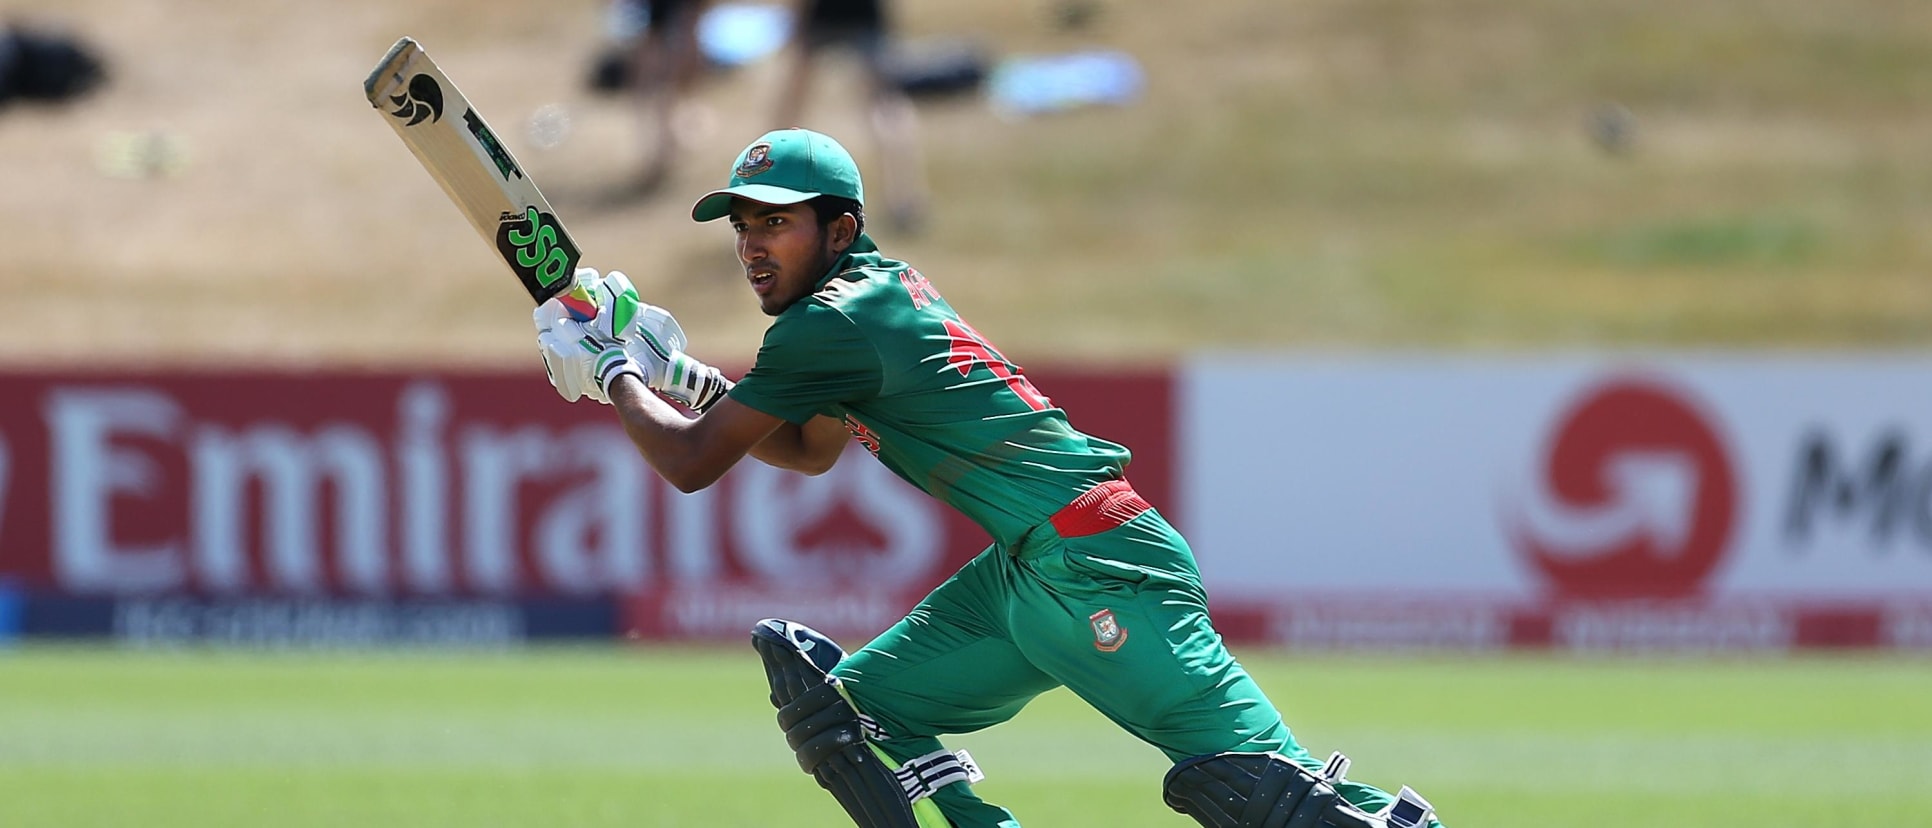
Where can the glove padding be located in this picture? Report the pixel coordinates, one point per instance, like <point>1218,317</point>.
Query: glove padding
<point>617,304</point>
<point>669,370</point>
<point>621,316</point>
<point>579,363</point>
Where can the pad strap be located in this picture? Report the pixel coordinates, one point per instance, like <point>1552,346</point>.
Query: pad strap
<point>922,775</point>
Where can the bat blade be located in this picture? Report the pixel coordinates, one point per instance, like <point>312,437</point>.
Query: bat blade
<point>465,157</point>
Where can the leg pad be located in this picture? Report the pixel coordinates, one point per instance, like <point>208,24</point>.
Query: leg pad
<point>1259,790</point>
<point>822,727</point>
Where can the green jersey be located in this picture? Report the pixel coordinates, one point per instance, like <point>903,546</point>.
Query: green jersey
<point>877,347</point>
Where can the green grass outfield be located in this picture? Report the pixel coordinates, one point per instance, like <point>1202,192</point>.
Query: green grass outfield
<point>683,737</point>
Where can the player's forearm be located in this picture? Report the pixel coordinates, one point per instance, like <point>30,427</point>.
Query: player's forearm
<point>672,443</point>
<point>811,448</point>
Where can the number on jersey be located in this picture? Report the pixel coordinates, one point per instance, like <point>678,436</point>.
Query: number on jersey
<point>968,349</point>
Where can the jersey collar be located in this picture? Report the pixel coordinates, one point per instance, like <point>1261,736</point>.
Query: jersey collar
<point>860,247</point>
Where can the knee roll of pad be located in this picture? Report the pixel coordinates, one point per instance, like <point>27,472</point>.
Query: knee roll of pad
<point>797,658</point>
<point>1267,790</point>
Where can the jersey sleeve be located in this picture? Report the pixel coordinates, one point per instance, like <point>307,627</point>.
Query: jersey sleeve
<point>810,360</point>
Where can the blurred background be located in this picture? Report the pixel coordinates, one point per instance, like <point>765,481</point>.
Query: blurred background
<point>1544,388</point>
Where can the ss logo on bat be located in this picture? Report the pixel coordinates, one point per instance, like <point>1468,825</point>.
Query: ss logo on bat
<point>536,250</point>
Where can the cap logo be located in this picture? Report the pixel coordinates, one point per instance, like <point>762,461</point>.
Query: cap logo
<point>757,160</point>
<point>1108,635</point>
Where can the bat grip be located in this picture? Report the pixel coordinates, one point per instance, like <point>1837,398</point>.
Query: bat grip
<point>582,306</point>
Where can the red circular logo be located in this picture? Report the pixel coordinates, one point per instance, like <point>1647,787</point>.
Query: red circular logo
<point>1636,497</point>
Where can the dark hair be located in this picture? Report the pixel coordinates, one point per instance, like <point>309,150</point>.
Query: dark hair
<point>827,209</point>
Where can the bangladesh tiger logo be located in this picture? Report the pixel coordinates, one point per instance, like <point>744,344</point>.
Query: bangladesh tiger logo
<point>757,160</point>
<point>1108,635</point>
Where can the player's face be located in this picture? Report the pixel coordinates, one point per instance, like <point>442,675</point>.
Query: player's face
<point>783,249</point>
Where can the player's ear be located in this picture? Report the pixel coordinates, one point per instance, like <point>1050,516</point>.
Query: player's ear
<point>845,231</point>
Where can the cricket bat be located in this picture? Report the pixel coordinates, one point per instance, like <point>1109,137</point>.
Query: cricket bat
<point>477,172</point>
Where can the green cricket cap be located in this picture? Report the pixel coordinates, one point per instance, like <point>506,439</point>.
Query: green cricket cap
<point>785,166</point>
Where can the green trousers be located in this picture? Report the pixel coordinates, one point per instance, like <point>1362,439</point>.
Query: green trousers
<point>1120,618</point>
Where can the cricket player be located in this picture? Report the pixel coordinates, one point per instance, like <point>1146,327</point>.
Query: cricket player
<point>1085,584</point>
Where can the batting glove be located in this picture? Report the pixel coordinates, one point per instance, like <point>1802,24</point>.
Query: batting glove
<point>650,335</point>
<point>578,363</point>
<point>616,301</point>
<point>668,370</point>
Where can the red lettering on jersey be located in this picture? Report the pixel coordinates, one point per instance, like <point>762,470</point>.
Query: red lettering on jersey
<point>918,287</point>
<point>968,348</point>
<point>864,435</point>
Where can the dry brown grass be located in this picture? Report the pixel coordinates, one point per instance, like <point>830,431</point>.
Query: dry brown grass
<point>1355,173</point>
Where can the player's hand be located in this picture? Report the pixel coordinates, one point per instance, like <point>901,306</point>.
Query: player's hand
<point>622,316</point>
<point>648,334</point>
<point>617,304</point>
<point>656,341</point>
<point>567,363</point>
<point>579,363</point>
<point>677,375</point>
